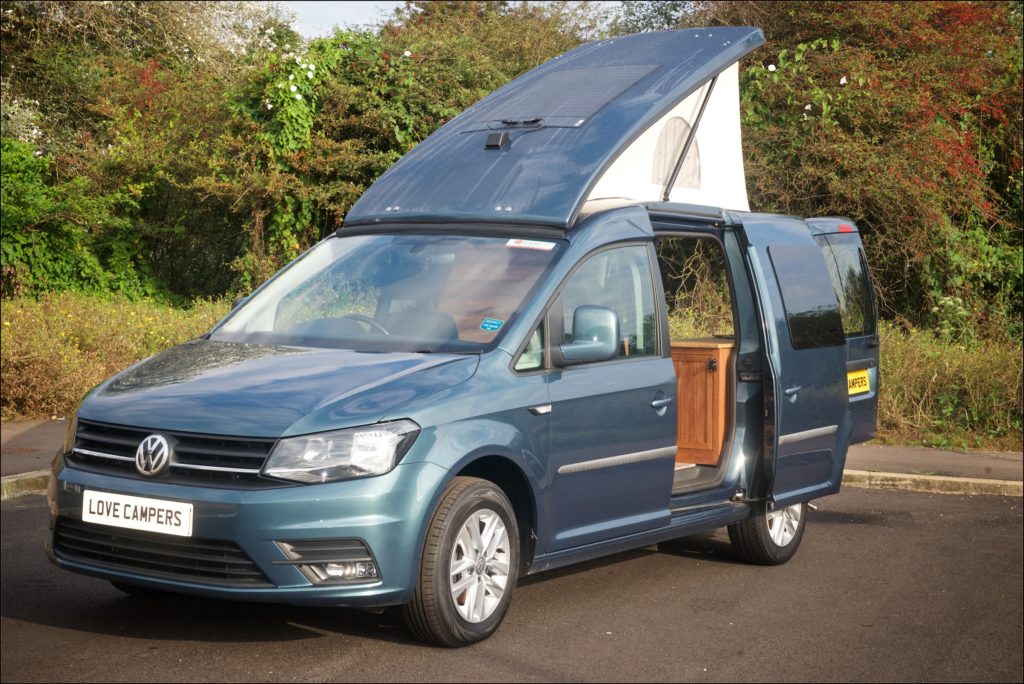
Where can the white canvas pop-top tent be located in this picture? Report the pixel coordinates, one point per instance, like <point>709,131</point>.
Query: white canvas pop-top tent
<point>711,173</point>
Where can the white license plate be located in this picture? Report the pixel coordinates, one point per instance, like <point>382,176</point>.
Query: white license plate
<point>138,513</point>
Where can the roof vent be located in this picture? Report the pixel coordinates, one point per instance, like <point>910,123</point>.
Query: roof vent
<point>496,141</point>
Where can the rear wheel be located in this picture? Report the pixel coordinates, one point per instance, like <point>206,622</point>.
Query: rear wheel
<point>469,568</point>
<point>769,537</point>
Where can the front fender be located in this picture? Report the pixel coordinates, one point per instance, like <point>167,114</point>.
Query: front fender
<point>456,446</point>
<point>487,416</point>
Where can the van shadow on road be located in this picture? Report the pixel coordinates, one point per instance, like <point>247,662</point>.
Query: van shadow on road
<point>38,593</point>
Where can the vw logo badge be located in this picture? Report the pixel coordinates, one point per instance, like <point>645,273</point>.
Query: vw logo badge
<point>152,456</point>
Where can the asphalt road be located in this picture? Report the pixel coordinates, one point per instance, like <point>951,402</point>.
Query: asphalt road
<point>888,586</point>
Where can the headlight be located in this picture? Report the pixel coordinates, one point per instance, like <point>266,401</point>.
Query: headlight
<point>342,454</point>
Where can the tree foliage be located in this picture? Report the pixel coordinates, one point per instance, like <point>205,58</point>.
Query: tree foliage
<point>905,117</point>
<point>636,16</point>
<point>191,148</point>
<point>220,143</point>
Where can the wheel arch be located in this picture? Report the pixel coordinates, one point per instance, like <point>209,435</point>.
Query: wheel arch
<point>510,478</point>
<point>496,451</point>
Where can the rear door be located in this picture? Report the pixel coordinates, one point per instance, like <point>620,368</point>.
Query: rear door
<point>848,268</point>
<point>806,394</point>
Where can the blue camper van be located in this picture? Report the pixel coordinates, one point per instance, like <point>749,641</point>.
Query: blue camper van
<point>496,366</point>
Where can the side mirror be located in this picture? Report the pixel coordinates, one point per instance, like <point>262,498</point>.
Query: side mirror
<point>595,332</point>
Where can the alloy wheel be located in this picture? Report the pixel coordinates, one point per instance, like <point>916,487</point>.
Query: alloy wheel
<point>783,524</point>
<point>478,570</point>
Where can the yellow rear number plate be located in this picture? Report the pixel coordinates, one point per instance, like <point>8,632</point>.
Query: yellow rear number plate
<point>858,382</point>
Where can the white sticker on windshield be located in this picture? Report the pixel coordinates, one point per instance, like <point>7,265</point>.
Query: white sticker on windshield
<point>530,244</point>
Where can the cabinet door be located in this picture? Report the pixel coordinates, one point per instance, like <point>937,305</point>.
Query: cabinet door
<point>700,397</point>
<point>696,401</point>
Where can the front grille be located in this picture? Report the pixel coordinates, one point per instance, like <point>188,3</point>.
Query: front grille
<point>204,561</point>
<point>196,459</point>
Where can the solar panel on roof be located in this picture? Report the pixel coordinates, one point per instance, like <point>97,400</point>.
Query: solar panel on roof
<point>568,121</point>
<point>577,93</point>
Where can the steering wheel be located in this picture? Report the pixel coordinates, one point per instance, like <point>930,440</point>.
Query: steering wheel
<point>367,320</point>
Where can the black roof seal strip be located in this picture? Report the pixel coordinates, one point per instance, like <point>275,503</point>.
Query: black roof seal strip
<point>690,213</point>
<point>455,228</point>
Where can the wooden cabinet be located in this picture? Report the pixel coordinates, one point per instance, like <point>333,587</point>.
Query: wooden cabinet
<point>702,368</point>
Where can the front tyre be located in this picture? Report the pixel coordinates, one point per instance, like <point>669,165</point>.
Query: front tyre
<point>769,537</point>
<point>469,568</point>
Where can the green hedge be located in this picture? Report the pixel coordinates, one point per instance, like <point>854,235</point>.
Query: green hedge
<point>58,347</point>
<point>943,394</point>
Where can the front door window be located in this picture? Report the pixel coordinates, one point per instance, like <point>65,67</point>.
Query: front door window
<point>620,280</point>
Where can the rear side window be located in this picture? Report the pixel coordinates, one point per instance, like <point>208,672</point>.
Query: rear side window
<point>812,310</point>
<point>848,271</point>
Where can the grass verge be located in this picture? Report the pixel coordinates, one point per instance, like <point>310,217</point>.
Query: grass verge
<point>55,349</point>
<point>935,393</point>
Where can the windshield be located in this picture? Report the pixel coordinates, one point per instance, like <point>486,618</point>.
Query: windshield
<point>416,293</point>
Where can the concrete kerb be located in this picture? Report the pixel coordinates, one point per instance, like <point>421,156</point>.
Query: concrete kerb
<point>937,484</point>
<point>25,483</point>
<point>35,483</point>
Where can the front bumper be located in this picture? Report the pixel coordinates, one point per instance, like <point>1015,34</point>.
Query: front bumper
<point>389,513</point>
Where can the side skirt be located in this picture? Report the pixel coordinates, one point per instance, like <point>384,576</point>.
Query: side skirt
<point>683,522</point>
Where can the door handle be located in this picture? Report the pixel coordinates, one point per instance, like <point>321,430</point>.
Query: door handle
<point>793,391</point>
<point>540,410</point>
<point>661,403</point>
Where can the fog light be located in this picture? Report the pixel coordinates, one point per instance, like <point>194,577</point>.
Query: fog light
<point>331,561</point>
<point>349,571</point>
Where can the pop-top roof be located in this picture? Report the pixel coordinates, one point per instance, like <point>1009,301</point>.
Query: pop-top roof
<point>564,123</point>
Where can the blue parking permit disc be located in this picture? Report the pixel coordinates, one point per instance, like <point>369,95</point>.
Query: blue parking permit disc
<point>492,324</point>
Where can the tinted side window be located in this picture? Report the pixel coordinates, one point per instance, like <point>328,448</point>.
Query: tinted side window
<point>812,310</point>
<point>850,280</point>
<point>619,279</point>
